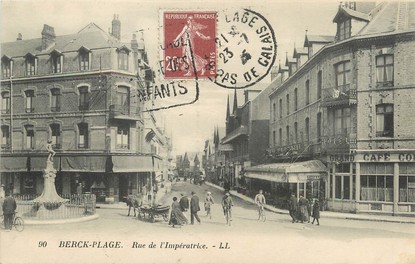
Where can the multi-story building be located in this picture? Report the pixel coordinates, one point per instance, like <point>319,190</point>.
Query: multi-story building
<point>78,91</point>
<point>214,157</point>
<point>349,108</point>
<point>246,136</point>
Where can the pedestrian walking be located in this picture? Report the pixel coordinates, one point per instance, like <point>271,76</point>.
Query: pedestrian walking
<point>9,208</point>
<point>309,209</point>
<point>194,208</point>
<point>184,203</point>
<point>208,202</point>
<point>176,216</point>
<point>293,207</point>
<point>302,204</point>
<point>316,212</point>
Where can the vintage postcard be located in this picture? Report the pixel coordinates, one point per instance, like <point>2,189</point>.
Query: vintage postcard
<point>207,132</point>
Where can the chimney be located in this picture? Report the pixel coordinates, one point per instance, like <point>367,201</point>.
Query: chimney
<point>19,36</point>
<point>134,43</point>
<point>48,36</point>
<point>116,27</point>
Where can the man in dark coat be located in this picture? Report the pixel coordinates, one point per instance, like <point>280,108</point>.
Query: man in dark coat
<point>302,204</point>
<point>194,208</point>
<point>184,203</point>
<point>293,207</point>
<point>9,207</point>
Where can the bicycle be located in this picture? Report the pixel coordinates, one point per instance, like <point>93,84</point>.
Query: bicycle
<point>18,222</point>
<point>227,211</point>
<point>261,213</point>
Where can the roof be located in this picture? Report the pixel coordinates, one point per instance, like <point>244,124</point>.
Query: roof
<point>317,39</point>
<point>91,37</point>
<point>289,60</point>
<point>391,17</point>
<point>300,51</point>
<point>343,11</point>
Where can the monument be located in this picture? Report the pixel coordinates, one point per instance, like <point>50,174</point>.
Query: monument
<point>49,199</point>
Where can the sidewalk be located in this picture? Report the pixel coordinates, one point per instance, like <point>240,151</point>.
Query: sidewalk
<point>329,214</point>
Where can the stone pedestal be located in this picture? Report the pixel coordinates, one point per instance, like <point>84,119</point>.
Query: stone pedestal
<point>49,194</point>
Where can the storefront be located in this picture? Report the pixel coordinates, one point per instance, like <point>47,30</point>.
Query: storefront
<point>305,178</point>
<point>373,181</point>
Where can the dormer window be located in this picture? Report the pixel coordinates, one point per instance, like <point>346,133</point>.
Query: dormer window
<point>123,58</point>
<point>84,59</point>
<point>6,67</point>
<point>31,64</point>
<point>56,59</point>
<point>344,29</point>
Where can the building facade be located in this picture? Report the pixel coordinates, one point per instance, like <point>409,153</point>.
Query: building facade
<point>79,92</point>
<point>349,106</point>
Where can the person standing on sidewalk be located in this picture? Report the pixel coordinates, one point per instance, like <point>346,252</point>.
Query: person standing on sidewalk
<point>208,202</point>
<point>9,208</point>
<point>194,208</point>
<point>293,207</point>
<point>302,204</point>
<point>316,212</point>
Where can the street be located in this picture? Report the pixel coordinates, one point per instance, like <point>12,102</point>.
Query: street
<point>117,238</point>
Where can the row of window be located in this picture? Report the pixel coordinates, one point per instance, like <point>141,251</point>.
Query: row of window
<point>122,141</point>
<point>56,61</point>
<point>292,138</point>
<point>84,102</point>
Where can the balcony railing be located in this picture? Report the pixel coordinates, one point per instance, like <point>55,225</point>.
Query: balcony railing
<point>124,112</point>
<point>339,95</point>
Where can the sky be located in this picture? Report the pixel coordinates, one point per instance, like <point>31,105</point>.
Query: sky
<point>189,125</point>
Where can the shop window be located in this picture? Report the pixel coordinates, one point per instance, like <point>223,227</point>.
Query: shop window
<point>55,105</point>
<point>55,132</point>
<point>83,135</point>
<point>29,94</point>
<point>384,70</point>
<point>342,72</point>
<point>5,137</point>
<point>343,168</point>
<point>84,97</point>
<point>407,183</point>
<point>30,137</point>
<point>307,92</point>
<point>376,188</point>
<point>123,132</point>
<point>319,84</point>
<point>384,120</point>
<point>6,67</point>
<point>5,102</point>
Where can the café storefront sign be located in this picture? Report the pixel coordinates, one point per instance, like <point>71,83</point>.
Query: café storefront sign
<point>386,157</point>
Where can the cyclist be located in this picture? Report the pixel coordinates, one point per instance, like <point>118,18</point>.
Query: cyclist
<point>260,201</point>
<point>9,208</point>
<point>227,204</point>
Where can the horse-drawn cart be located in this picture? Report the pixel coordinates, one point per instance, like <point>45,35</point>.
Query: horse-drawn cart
<point>153,212</point>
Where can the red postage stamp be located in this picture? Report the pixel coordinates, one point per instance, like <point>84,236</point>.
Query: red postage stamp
<point>189,44</point>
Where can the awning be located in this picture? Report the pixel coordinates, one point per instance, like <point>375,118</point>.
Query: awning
<point>13,164</point>
<point>83,163</point>
<point>288,172</point>
<point>39,163</point>
<point>132,163</point>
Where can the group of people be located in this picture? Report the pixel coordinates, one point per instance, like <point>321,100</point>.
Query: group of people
<point>9,206</point>
<point>180,207</point>
<point>302,210</point>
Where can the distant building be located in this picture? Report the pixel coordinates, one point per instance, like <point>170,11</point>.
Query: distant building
<point>341,127</point>
<point>79,92</point>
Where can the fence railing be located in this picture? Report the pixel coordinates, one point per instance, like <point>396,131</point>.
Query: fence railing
<point>74,206</point>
